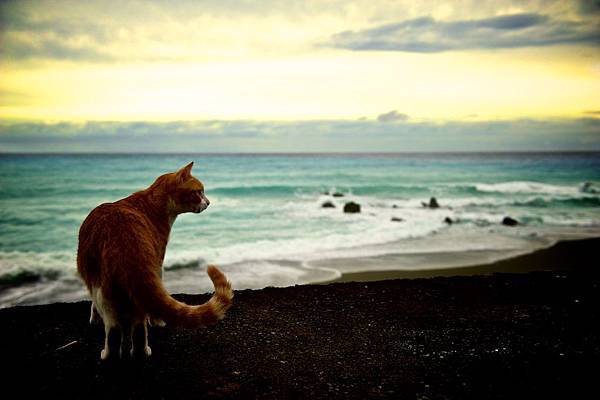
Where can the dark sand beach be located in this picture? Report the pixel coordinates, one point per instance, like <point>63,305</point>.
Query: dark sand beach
<point>498,335</point>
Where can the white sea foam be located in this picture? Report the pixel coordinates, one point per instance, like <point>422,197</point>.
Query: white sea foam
<point>330,232</point>
<point>528,187</point>
<point>249,275</point>
<point>339,231</point>
<point>44,263</point>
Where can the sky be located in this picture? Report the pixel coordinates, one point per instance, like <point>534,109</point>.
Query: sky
<point>285,76</point>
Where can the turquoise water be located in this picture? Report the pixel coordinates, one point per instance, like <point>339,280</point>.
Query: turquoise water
<point>266,224</point>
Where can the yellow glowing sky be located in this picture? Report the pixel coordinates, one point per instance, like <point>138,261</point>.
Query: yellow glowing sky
<point>270,61</point>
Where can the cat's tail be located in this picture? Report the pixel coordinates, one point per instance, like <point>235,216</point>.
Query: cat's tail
<point>158,303</point>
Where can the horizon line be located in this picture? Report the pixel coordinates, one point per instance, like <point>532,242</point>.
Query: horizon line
<point>283,153</point>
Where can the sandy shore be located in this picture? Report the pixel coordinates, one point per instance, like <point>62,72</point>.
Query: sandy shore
<point>564,255</point>
<point>530,335</point>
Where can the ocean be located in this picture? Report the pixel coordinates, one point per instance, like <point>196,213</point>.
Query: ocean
<point>266,225</point>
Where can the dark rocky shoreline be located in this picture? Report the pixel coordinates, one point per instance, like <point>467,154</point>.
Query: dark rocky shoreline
<point>532,335</point>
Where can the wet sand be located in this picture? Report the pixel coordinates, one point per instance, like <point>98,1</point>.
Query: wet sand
<point>564,255</point>
<point>526,335</point>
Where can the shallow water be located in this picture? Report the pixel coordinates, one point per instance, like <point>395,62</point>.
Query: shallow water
<point>266,225</point>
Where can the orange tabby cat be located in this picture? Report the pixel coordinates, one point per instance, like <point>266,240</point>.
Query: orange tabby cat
<point>120,256</point>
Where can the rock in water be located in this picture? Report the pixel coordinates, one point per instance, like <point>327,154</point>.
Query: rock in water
<point>352,207</point>
<point>337,194</point>
<point>328,204</point>
<point>588,187</point>
<point>432,203</point>
<point>396,219</point>
<point>508,221</point>
<point>448,220</point>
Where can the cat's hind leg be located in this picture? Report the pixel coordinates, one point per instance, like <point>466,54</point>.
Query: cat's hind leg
<point>112,329</point>
<point>139,339</point>
<point>113,338</point>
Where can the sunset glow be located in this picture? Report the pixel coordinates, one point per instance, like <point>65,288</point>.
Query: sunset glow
<point>437,62</point>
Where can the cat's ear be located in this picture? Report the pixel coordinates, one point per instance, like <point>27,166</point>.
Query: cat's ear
<point>185,173</point>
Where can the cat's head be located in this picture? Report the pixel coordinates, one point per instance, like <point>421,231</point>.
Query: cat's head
<point>186,193</point>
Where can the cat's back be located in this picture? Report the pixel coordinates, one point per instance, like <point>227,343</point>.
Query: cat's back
<point>113,227</point>
<point>112,224</point>
<point>109,217</point>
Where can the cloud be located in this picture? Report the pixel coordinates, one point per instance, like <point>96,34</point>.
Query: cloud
<point>26,35</point>
<point>392,116</point>
<point>587,7</point>
<point>147,31</point>
<point>302,136</point>
<point>427,35</point>
<point>51,48</point>
<point>112,30</point>
<point>14,19</point>
<point>118,137</point>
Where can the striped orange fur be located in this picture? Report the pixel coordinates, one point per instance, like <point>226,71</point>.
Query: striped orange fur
<point>120,256</point>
